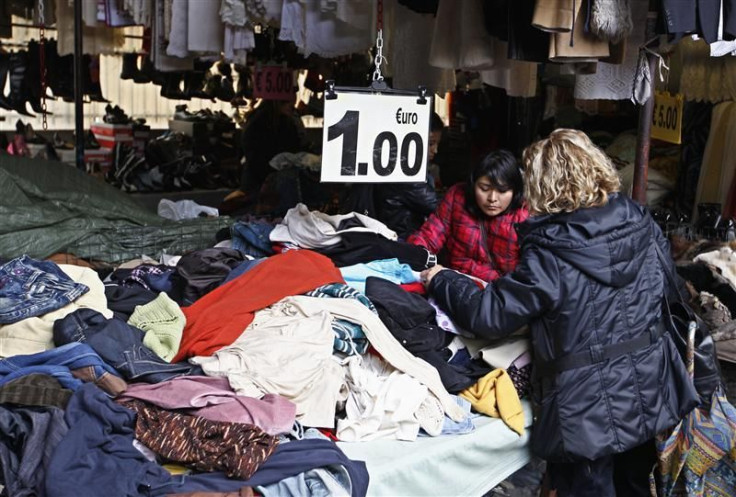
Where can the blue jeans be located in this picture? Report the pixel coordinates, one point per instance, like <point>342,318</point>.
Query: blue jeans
<point>120,345</point>
<point>56,362</point>
<point>252,238</point>
<point>31,288</point>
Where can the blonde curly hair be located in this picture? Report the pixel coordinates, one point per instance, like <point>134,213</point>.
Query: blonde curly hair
<point>565,172</point>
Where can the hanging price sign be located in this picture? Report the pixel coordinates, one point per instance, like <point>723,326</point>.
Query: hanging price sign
<point>371,138</point>
<point>273,83</point>
<point>667,117</point>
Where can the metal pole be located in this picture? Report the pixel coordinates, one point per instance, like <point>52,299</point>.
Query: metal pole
<point>641,163</point>
<point>78,82</point>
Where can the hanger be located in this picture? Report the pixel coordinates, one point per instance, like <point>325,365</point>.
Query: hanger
<point>378,86</point>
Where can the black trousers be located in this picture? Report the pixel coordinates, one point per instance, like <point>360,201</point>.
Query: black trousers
<point>617,475</point>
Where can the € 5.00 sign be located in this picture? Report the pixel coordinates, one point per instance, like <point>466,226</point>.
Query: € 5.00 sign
<point>372,138</point>
<point>667,117</point>
<point>273,83</point>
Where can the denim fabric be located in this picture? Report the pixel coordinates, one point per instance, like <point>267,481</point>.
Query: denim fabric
<point>30,288</point>
<point>56,362</point>
<point>330,481</point>
<point>28,437</point>
<point>252,238</point>
<point>120,345</point>
<point>450,427</point>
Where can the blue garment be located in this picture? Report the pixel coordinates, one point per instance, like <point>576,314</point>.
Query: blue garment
<point>151,277</point>
<point>450,427</point>
<point>98,449</point>
<point>96,456</point>
<point>57,362</point>
<point>120,345</point>
<point>350,338</point>
<point>30,288</point>
<point>252,238</point>
<point>318,482</point>
<point>341,291</point>
<point>289,459</point>
<point>242,268</point>
<point>387,269</point>
<point>28,437</point>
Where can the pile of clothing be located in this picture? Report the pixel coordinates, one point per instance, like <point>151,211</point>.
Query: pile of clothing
<point>223,371</point>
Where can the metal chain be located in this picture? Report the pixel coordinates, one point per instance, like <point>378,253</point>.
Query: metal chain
<point>42,61</point>
<point>379,59</point>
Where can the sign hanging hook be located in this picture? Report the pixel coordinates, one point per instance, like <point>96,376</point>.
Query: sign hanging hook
<point>42,61</point>
<point>379,59</point>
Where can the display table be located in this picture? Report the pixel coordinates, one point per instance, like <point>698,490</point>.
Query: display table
<point>467,465</point>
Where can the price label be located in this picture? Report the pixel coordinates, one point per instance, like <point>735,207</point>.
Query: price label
<point>667,117</point>
<point>375,139</point>
<point>273,83</point>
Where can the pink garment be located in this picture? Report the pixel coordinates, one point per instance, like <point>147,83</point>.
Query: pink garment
<point>212,398</point>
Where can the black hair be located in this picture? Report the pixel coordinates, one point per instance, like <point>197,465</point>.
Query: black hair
<point>504,172</point>
<point>435,122</point>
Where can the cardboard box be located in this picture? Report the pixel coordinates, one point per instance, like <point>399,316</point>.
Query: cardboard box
<point>100,156</point>
<point>107,135</point>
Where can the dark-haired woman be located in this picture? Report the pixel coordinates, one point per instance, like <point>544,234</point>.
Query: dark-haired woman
<point>474,223</point>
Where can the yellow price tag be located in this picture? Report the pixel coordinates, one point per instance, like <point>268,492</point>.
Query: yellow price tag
<point>667,117</point>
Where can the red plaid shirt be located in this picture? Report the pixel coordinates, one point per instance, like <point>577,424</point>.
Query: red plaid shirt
<point>454,228</point>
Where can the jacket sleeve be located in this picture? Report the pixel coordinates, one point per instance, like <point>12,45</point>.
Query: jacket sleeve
<point>470,266</point>
<point>507,303</point>
<point>421,198</point>
<point>435,230</point>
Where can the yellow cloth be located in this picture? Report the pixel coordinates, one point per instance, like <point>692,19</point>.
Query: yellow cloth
<point>495,395</point>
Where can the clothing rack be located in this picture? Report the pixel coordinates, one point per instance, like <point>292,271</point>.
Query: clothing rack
<point>78,76</point>
<point>35,26</point>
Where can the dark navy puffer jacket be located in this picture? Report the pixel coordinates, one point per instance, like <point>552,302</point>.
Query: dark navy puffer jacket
<point>585,280</point>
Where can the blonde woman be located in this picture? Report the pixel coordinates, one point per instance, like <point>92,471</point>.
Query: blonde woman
<point>590,286</point>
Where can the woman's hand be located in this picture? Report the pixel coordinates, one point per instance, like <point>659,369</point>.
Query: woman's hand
<point>427,275</point>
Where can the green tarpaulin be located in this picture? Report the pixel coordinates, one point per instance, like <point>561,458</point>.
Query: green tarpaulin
<point>49,207</point>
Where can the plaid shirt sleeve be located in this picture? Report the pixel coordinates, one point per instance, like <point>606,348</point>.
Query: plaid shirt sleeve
<point>503,243</point>
<point>435,230</point>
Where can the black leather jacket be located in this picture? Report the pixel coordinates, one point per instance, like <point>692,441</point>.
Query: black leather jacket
<point>403,207</point>
<point>588,283</point>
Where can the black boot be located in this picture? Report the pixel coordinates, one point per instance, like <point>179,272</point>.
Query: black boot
<point>194,85</point>
<point>145,73</point>
<point>148,73</point>
<point>59,72</point>
<point>172,87</point>
<point>91,79</point>
<point>227,90</point>
<point>33,76</point>
<point>130,66</point>
<point>19,83</point>
<point>4,64</point>
<point>245,82</point>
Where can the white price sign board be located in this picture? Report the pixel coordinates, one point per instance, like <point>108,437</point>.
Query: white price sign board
<point>372,138</point>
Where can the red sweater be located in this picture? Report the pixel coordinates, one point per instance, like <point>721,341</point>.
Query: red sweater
<point>455,229</point>
<point>221,316</point>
